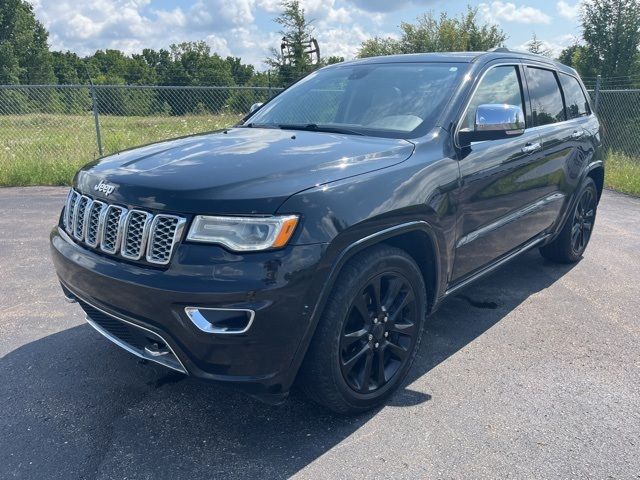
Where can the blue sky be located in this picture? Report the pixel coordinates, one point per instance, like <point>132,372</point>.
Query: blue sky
<point>245,28</point>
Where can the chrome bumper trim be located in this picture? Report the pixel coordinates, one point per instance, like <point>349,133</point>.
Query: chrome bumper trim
<point>142,354</point>
<point>205,326</point>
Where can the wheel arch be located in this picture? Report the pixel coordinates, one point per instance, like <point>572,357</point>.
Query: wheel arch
<point>406,236</point>
<point>596,172</point>
<point>417,238</point>
<point>421,247</point>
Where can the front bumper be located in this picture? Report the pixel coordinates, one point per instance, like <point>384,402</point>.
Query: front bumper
<point>278,286</point>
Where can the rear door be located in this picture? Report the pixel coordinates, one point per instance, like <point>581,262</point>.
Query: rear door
<point>561,138</point>
<point>581,125</point>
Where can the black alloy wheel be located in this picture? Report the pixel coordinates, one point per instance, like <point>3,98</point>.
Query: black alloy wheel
<point>583,219</point>
<point>379,332</point>
<point>369,332</point>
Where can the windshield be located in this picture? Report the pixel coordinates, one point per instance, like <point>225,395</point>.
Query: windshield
<point>389,100</point>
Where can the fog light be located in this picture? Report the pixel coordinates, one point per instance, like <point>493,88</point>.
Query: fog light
<point>221,320</point>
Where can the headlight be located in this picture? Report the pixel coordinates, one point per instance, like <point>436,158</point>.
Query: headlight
<point>243,234</point>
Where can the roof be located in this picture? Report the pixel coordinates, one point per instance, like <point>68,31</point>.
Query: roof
<point>462,57</point>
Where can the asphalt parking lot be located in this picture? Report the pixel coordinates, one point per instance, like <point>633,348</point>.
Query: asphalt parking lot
<point>532,372</point>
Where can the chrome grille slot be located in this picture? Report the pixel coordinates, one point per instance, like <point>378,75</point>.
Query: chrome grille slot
<point>69,208</point>
<point>133,234</point>
<point>92,233</point>
<point>165,233</point>
<point>82,205</point>
<point>136,230</point>
<point>112,228</point>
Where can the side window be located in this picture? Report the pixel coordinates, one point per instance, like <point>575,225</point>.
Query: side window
<point>577,104</point>
<point>499,85</point>
<point>546,99</point>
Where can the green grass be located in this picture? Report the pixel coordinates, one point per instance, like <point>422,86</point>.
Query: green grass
<point>622,173</point>
<point>49,149</point>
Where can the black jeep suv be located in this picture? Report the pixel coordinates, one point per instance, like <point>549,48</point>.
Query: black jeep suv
<point>311,241</point>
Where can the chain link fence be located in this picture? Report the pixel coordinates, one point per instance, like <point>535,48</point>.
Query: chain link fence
<point>47,132</point>
<point>617,103</point>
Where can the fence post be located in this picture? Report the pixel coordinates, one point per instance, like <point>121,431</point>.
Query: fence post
<point>269,93</point>
<point>94,101</point>
<point>597,93</point>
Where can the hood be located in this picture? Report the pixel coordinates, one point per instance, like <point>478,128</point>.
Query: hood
<point>242,170</point>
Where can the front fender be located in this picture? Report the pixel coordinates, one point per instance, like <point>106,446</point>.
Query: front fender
<point>356,213</point>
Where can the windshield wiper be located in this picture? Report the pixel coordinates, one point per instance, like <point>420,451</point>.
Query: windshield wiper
<point>257,125</point>
<point>314,127</point>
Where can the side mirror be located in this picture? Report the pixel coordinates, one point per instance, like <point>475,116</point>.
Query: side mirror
<point>255,107</point>
<point>494,122</point>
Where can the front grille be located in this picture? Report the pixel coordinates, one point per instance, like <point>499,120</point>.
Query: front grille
<point>112,228</point>
<point>136,229</point>
<point>132,234</point>
<point>92,235</point>
<point>162,234</point>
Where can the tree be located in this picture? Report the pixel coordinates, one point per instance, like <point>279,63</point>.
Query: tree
<point>241,73</point>
<point>611,31</point>
<point>331,60</point>
<point>296,32</point>
<point>9,66</point>
<point>378,46</point>
<point>567,55</point>
<point>24,52</point>
<point>438,34</point>
<point>68,68</point>
<point>581,58</point>
<point>138,72</point>
<point>537,46</point>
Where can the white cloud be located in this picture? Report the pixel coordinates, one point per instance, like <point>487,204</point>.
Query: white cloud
<point>389,5</point>
<point>496,11</point>
<point>271,6</point>
<point>568,11</point>
<point>228,26</point>
<point>218,14</point>
<point>175,17</point>
<point>341,42</point>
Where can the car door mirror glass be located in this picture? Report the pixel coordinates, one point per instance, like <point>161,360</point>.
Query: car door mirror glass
<point>255,107</point>
<point>493,122</point>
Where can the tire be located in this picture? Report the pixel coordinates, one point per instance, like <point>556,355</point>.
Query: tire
<point>574,237</point>
<point>359,328</point>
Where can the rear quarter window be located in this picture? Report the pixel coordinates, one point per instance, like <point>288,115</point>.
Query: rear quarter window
<point>574,97</point>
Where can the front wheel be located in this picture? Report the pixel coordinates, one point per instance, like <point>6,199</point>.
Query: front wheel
<point>569,246</point>
<point>369,333</point>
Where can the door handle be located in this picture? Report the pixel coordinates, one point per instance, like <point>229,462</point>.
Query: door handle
<point>531,147</point>
<point>577,135</point>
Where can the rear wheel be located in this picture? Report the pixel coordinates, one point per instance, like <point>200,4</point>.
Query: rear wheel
<point>569,246</point>
<point>369,332</point>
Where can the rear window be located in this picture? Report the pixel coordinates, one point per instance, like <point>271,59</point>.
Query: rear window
<point>575,99</point>
<point>546,99</point>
